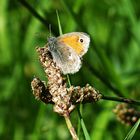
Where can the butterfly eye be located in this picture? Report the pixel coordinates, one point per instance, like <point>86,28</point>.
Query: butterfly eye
<point>81,40</point>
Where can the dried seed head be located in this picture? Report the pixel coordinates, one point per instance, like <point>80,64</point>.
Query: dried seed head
<point>63,98</point>
<point>40,91</point>
<point>126,114</point>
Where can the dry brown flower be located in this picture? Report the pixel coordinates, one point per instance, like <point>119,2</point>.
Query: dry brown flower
<point>126,114</point>
<point>56,92</point>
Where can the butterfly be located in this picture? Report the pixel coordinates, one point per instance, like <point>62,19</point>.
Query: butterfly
<point>68,49</point>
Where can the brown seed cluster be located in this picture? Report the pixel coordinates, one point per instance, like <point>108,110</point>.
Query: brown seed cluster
<point>56,92</point>
<point>40,91</point>
<point>126,114</point>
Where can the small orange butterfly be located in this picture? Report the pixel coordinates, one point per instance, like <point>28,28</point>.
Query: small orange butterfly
<point>68,49</point>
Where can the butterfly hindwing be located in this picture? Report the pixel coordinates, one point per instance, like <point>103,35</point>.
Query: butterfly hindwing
<point>66,59</point>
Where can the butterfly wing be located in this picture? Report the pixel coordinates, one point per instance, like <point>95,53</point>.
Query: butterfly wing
<point>66,58</point>
<point>78,41</point>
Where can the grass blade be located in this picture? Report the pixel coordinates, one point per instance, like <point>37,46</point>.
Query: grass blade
<point>59,24</point>
<point>86,134</point>
<point>132,132</point>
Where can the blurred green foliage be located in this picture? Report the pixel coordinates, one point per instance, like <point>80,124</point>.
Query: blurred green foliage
<point>112,65</point>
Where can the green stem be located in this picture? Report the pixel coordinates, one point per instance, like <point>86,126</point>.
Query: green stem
<point>71,128</point>
<point>68,78</point>
<point>121,99</point>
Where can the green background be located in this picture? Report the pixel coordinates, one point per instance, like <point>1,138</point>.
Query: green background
<point>112,65</point>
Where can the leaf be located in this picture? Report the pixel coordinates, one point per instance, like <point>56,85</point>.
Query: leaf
<point>59,24</point>
<point>131,133</point>
<point>83,126</point>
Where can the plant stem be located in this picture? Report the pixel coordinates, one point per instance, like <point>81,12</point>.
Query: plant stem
<point>68,78</point>
<point>121,99</point>
<point>71,128</point>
